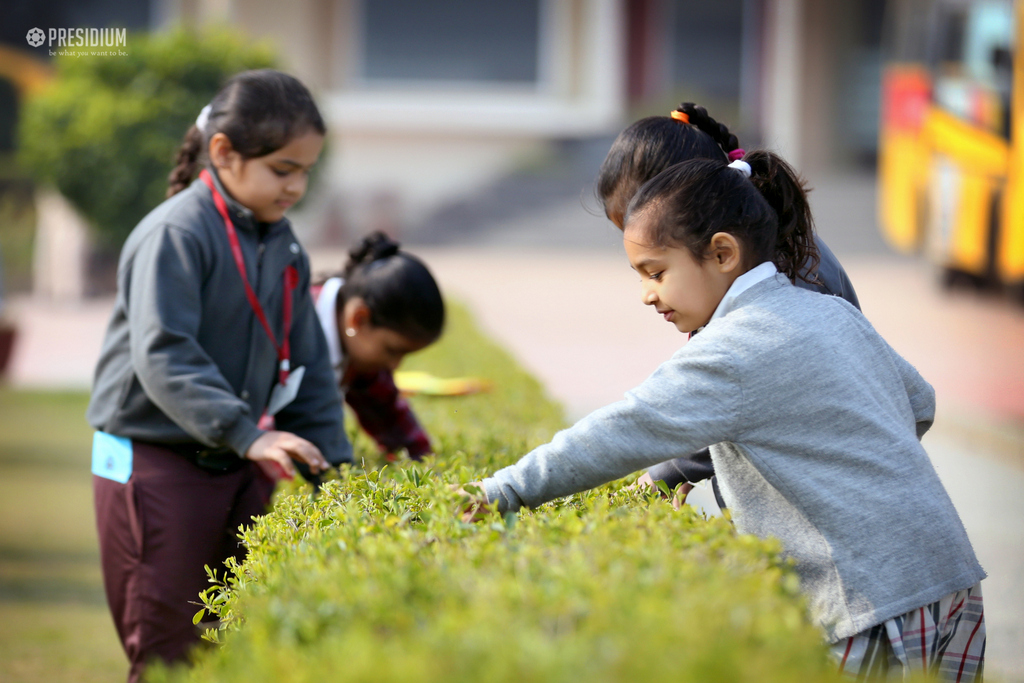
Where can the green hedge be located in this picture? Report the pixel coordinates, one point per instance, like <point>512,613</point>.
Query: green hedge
<point>376,579</point>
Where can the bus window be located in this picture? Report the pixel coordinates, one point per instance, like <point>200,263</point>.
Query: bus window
<point>968,42</point>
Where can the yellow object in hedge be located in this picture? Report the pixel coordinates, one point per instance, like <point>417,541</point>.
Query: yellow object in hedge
<point>423,383</point>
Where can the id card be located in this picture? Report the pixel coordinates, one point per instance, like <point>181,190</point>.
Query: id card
<point>283,394</point>
<point>112,457</point>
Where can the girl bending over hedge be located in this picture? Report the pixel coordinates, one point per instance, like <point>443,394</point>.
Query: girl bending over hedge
<point>384,305</point>
<point>812,419</point>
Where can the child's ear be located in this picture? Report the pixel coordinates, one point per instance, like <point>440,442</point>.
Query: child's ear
<point>725,250</point>
<point>221,151</point>
<point>361,316</point>
<point>356,314</point>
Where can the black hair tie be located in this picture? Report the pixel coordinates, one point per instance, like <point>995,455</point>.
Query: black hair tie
<point>374,247</point>
<point>383,250</point>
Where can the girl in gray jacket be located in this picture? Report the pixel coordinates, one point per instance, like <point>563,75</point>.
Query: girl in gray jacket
<point>213,327</point>
<point>813,423</point>
<point>645,149</point>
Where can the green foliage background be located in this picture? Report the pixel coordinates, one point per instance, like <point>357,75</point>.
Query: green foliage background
<point>106,131</point>
<point>377,579</point>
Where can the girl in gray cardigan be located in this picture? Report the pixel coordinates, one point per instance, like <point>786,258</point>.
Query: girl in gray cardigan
<point>642,151</point>
<point>812,419</point>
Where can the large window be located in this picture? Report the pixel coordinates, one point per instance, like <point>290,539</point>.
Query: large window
<point>706,46</point>
<point>451,40</point>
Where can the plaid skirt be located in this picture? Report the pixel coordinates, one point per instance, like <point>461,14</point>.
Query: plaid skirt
<point>945,639</point>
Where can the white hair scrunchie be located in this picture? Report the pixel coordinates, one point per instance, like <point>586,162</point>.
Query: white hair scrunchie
<point>741,166</point>
<point>203,118</point>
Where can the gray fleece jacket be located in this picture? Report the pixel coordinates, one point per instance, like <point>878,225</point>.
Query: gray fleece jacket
<point>185,360</point>
<point>834,281</point>
<point>814,425</point>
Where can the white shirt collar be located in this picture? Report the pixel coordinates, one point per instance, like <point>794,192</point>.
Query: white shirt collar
<point>325,310</point>
<point>742,284</point>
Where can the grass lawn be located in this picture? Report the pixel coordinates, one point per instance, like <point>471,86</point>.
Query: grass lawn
<point>54,624</point>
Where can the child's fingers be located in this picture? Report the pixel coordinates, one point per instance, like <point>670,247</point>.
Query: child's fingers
<point>303,450</point>
<point>471,514</point>
<point>474,511</point>
<point>283,447</point>
<point>458,488</point>
<point>273,470</point>
<point>680,497</point>
<point>644,480</point>
<point>474,507</point>
<point>283,461</point>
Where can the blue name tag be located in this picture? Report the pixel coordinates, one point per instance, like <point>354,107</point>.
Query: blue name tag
<point>112,457</point>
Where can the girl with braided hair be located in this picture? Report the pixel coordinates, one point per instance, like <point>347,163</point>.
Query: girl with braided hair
<point>651,145</point>
<point>213,327</point>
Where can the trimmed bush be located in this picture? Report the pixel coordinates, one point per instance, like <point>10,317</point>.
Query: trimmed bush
<point>376,579</point>
<point>106,131</point>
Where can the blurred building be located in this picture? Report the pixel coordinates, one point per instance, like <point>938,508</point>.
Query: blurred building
<point>429,101</point>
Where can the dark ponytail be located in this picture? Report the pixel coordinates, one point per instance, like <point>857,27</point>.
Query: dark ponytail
<point>374,247</point>
<point>690,202</point>
<point>718,132</point>
<point>778,182</point>
<point>656,143</point>
<point>396,286</point>
<point>649,146</point>
<point>780,185</point>
<point>259,111</point>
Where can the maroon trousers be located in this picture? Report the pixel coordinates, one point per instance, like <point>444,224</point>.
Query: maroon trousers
<point>156,534</point>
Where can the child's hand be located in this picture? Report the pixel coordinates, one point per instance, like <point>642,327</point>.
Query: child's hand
<point>474,508</point>
<point>644,480</point>
<point>677,500</point>
<point>283,447</point>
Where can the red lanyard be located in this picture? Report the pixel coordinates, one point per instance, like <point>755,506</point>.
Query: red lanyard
<point>291,281</point>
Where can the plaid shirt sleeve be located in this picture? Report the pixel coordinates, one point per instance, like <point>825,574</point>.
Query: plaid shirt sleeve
<point>386,415</point>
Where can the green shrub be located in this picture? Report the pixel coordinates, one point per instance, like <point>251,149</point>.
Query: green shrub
<point>18,218</point>
<point>106,131</point>
<point>376,579</point>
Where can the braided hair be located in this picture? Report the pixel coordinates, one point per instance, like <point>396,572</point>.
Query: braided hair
<point>652,144</point>
<point>396,286</point>
<point>719,132</point>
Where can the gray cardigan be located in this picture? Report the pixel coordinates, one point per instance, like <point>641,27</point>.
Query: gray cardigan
<point>814,425</point>
<point>833,280</point>
<point>185,360</point>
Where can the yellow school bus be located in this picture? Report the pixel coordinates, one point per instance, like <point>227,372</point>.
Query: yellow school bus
<point>951,147</point>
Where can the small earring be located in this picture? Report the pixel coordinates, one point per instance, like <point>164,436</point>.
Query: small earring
<point>350,332</point>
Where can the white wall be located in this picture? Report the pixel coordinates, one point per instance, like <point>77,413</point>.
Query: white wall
<point>426,143</point>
